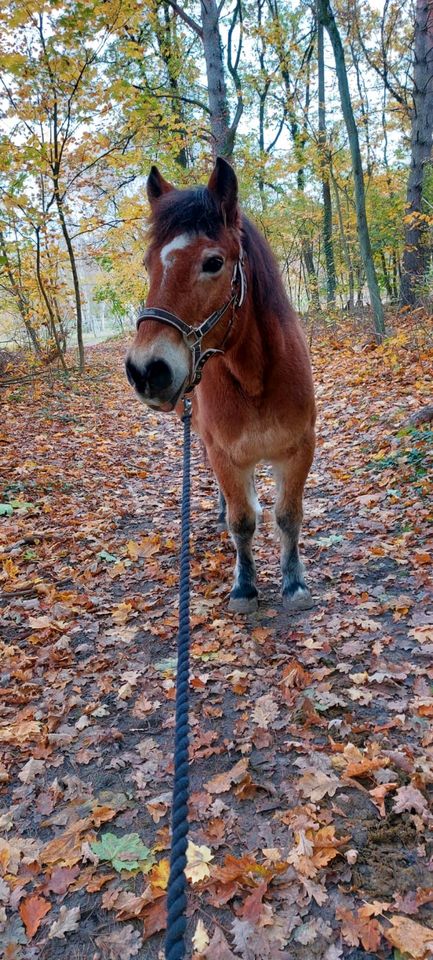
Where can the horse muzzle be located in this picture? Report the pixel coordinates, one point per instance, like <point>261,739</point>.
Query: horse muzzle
<point>155,382</point>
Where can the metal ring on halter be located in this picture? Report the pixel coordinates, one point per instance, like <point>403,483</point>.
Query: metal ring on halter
<point>193,336</point>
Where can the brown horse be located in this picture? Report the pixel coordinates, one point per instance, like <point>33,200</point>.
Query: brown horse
<point>255,401</point>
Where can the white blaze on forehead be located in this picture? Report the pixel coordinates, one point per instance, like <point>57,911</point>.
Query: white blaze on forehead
<point>167,251</point>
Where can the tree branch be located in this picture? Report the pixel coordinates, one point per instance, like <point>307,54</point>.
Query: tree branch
<point>186,18</point>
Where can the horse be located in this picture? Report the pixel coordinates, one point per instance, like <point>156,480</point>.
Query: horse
<point>216,297</point>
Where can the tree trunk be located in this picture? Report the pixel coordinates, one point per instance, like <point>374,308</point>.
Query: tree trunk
<point>345,247</point>
<point>331,281</point>
<point>20,299</point>
<point>328,20</point>
<point>72,261</point>
<point>46,299</point>
<point>216,84</point>
<point>415,256</point>
<point>312,286</point>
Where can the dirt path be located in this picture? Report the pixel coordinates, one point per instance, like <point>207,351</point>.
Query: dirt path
<point>312,753</point>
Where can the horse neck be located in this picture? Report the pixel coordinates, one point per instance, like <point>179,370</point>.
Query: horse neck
<point>250,347</point>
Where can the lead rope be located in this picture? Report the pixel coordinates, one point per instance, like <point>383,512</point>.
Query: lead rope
<point>176,894</point>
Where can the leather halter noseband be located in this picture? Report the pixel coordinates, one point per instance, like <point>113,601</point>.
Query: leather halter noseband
<point>193,336</point>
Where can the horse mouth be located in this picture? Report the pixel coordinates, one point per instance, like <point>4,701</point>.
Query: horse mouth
<point>166,406</point>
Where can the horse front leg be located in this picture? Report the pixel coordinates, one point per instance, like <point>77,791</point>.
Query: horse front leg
<point>291,476</point>
<point>238,494</point>
<point>222,512</point>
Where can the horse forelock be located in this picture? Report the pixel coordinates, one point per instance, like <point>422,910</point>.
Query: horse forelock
<point>191,211</point>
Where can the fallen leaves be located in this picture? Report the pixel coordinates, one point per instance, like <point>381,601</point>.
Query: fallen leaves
<point>32,910</point>
<point>124,853</point>
<point>120,944</point>
<point>296,726</point>
<point>411,938</point>
<point>223,781</point>
<point>359,927</point>
<point>67,923</point>
<point>316,784</point>
<point>198,859</point>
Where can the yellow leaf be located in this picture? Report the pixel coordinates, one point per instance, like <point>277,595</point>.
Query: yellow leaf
<point>10,568</point>
<point>198,859</point>
<point>160,873</point>
<point>133,549</point>
<point>200,938</point>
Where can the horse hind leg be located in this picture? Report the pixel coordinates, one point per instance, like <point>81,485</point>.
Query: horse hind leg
<point>291,476</point>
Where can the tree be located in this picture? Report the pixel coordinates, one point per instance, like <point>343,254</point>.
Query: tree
<point>223,131</point>
<point>327,17</point>
<point>325,164</point>
<point>54,84</point>
<point>415,256</point>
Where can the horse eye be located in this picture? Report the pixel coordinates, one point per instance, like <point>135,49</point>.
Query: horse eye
<point>212,265</point>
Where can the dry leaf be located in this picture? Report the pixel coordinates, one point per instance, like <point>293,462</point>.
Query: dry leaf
<point>315,784</point>
<point>223,781</point>
<point>67,923</point>
<point>410,937</point>
<point>198,859</point>
<point>32,911</point>
<point>265,711</point>
<point>200,938</point>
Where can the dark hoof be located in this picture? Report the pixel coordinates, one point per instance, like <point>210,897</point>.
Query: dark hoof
<point>221,526</point>
<point>299,599</point>
<point>244,604</point>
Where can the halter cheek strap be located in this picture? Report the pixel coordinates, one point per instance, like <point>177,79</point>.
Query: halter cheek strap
<point>193,336</point>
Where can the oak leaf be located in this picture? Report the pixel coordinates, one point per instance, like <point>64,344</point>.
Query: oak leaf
<point>265,711</point>
<point>67,923</point>
<point>409,798</point>
<point>120,944</point>
<point>315,784</point>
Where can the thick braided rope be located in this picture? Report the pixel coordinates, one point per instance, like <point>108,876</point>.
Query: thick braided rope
<point>176,896</point>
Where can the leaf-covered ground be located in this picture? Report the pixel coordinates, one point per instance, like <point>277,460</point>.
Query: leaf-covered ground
<point>312,745</point>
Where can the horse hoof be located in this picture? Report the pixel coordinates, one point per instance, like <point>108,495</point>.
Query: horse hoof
<point>301,599</point>
<point>244,604</point>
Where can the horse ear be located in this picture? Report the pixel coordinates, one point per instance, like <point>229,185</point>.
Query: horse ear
<point>223,185</point>
<point>156,185</point>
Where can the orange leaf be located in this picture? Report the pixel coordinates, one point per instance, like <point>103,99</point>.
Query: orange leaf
<point>421,558</point>
<point>32,910</point>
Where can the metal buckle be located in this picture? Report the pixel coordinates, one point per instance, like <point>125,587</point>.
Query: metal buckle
<point>193,337</point>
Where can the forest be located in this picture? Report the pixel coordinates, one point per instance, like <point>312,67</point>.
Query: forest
<point>311,740</point>
<point>326,111</point>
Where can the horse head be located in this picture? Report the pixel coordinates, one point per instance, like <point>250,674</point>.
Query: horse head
<point>196,282</point>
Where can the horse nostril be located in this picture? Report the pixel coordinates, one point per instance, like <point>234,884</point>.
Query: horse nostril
<point>159,377</point>
<point>153,380</point>
<point>137,378</point>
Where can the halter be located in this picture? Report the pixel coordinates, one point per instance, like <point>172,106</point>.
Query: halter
<point>193,336</point>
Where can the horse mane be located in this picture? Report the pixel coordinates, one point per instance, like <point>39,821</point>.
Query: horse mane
<point>269,294</point>
<point>195,211</point>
